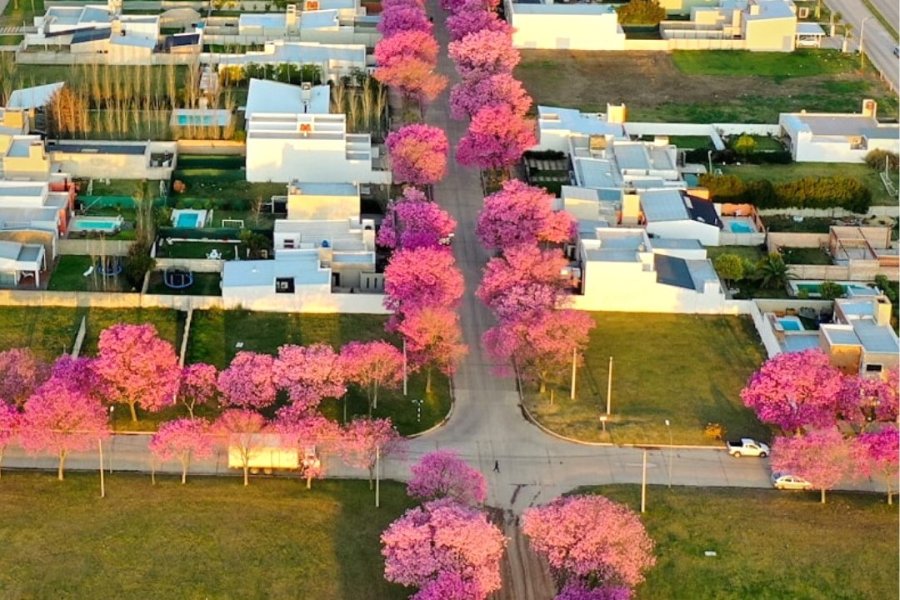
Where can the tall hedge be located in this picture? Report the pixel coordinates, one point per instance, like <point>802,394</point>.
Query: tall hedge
<point>809,192</point>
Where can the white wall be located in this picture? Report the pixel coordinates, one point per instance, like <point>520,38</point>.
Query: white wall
<point>307,160</point>
<point>627,287</point>
<point>307,299</point>
<point>574,31</point>
<point>708,235</point>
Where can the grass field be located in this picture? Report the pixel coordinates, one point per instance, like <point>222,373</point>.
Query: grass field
<point>69,276</point>
<point>21,11</point>
<point>205,284</point>
<point>215,335</point>
<point>212,538</point>
<point>768,544</point>
<point>197,249</point>
<point>805,256</point>
<point>688,369</point>
<point>702,87</point>
<point>782,173</point>
<point>751,253</point>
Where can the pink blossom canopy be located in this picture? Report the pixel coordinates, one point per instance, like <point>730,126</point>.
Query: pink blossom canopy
<point>443,474</point>
<point>177,439</point>
<point>421,223</point>
<point>484,53</point>
<point>496,138</point>
<point>21,372</point>
<point>247,382</point>
<point>469,96</point>
<point>521,214</point>
<point>422,277</point>
<point>418,154</point>
<point>308,374</point>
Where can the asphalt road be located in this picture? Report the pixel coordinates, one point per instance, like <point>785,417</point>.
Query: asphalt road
<point>890,10</point>
<point>877,42</point>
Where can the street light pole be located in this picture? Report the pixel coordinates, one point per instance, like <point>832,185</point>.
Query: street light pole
<point>862,37</point>
<point>609,388</point>
<point>671,449</point>
<point>574,360</point>
<point>404,367</point>
<point>377,476</point>
<point>644,483</point>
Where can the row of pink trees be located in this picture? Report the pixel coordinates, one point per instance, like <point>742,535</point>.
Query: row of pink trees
<point>406,55</point>
<point>487,94</point>
<point>597,548</point>
<point>245,432</point>
<point>446,547</point>
<point>524,286</point>
<point>809,402</point>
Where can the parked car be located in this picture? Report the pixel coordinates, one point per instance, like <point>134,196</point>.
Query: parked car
<point>747,447</point>
<point>783,481</point>
<point>897,51</point>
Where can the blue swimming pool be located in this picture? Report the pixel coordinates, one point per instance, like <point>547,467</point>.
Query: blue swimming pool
<point>741,227</point>
<point>201,120</point>
<point>791,324</point>
<point>187,220</point>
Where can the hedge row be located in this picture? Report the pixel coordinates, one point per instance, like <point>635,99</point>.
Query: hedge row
<point>729,157</point>
<point>809,192</point>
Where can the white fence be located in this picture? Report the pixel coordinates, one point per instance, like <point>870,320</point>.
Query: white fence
<point>67,58</point>
<point>93,247</point>
<point>836,213</point>
<point>197,265</point>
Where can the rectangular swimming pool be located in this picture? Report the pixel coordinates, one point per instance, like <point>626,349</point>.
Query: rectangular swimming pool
<point>202,120</point>
<point>741,227</point>
<point>102,224</point>
<point>187,220</point>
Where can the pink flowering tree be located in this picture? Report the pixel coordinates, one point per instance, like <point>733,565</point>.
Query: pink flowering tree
<point>247,382</point>
<point>525,281</point>
<point>863,401</point>
<point>469,96</point>
<point>373,366</point>
<point>878,453</point>
<point>455,6</point>
<point>10,419</point>
<point>591,540</point>
<point>400,18</point>
<point>21,372</point>
<point>312,434</point>
<point>414,78</point>
<point>448,585</point>
<point>79,374</point>
<point>308,374</point>
<point>442,537</point>
<point>520,214</point>
<point>414,222</point>
<point>484,53</point>
<point>433,340</point>
<point>62,418</point>
<point>474,17</point>
<point>580,590</point>
<point>418,154</point>
<point>137,367</point>
<point>238,430</point>
<point>181,440</point>
<point>795,391</point>
<point>496,138</point>
<point>822,457</point>
<point>443,474</point>
<point>364,441</point>
<point>541,347</point>
<point>403,47</point>
<point>422,277</point>
<point>198,386</point>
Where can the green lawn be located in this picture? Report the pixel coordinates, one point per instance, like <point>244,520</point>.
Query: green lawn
<point>212,538</point>
<point>685,368</point>
<point>768,544</point>
<point>784,173</point>
<point>215,335</point>
<point>690,142</point>
<point>807,225</point>
<point>205,284</point>
<point>169,323</point>
<point>69,277</point>
<point>21,11</point>
<point>196,249</point>
<point>751,253</point>
<point>805,256</point>
<point>47,331</point>
<point>777,65</point>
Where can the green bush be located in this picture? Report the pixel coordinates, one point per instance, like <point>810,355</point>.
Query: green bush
<point>641,12</point>
<point>744,145</point>
<point>137,263</point>
<point>877,158</point>
<point>830,290</point>
<point>809,192</point>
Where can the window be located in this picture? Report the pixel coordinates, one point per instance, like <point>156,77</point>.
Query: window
<point>873,368</point>
<point>288,244</point>
<point>284,285</point>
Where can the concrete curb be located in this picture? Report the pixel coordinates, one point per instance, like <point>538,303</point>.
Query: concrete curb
<point>440,423</point>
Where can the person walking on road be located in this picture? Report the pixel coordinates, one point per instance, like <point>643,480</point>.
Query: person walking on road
<point>496,466</point>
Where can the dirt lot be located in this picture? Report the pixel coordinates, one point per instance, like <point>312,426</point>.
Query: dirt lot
<point>655,89</point>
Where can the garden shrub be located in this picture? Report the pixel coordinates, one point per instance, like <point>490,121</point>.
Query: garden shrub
<point>876,158</point>
<point>809,192</point>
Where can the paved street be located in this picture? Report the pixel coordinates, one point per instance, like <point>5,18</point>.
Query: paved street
<point>877,42</point>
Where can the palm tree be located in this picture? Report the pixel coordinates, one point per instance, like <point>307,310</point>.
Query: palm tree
<point>773,272</point>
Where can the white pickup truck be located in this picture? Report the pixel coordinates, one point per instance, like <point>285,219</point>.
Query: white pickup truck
<point>747,447</point>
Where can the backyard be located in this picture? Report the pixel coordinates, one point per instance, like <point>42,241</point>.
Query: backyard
<point>69,276</point>
<point>688,369</point>
<point>702,87</point>
<point>767,544</point>
<point>212,538</point>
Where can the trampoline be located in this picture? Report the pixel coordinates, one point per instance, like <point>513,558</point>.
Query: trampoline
<point>109,267</point>
<point>178,279</point>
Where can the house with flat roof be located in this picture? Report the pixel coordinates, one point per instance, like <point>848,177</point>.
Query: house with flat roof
<point>34,206</point>
<point>564,26</point>
<point>290,22</point>
<point>622,269</point>
<point>272,97</point>
<point>861,338</point>
<point>756,25</point>
<point>673,214</point>
<point>322,201</point>
<point>838,137</point>
<point>21,261</point>
<point>307,146</point>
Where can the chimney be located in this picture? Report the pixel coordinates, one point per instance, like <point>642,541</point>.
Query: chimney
<point>631,208</point>
<point>616,113</point>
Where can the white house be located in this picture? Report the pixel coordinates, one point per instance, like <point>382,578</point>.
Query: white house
<point>838,137</point>
<point>303,145</point>
<point>756,25</point>
<point>556,126</point>
<point>564,26</point>
<point>347,247</point>
<point>861,339</point>
<point>272,97</point>
<point>21,260</point>
<point>289,22</point>
<point>622,269</point>
<point>322,201</point>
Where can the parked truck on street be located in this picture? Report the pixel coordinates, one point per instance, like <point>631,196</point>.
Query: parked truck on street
<point>747,447</point>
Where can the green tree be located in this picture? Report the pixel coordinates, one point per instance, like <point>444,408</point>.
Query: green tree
<point>744,145</point>
<point>772,272</point>
<point>830,290</point>
<point>730,267</point>
<point>137,263</point>
<point>641,12</point>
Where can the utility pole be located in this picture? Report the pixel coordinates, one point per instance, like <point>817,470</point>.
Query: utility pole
<point>574,361</point>
<point>102,480</point>
<point>644,483</point>
<point>377,476</point>
<point>609,388</point>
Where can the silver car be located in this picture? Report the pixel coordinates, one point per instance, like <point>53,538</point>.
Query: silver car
<point>784,481</point>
